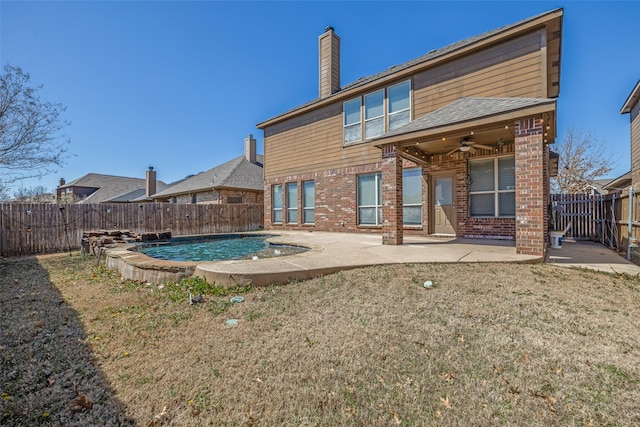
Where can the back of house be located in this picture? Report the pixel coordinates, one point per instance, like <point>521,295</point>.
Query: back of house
<point>452,143</point>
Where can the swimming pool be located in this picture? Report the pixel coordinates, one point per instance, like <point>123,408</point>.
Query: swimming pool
<point>219,248</point>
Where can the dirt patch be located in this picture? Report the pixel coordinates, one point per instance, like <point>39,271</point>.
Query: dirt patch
<point>496,344</point>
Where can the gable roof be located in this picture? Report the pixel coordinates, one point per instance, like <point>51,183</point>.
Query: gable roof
<point>237,173</point>
<point>466,109</point>
<point>431,56</point>
<point>632,99</point>
<point>108,187</point>
<point>623,180</point>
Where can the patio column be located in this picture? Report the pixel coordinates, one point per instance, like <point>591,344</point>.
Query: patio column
<point>530,187</point>
<point>391,196</point>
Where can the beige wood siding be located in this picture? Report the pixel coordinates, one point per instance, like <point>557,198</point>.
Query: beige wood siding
<point>313,141</point>
<point>313,147</point>
<point>635,138</point>
<point>520,77</point>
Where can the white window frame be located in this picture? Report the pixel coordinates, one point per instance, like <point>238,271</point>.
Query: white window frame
<point>371,119</point>
<point>377,203</point>
<point>495,192</point>
<point>389,113</point>
<point>292,208</point>
<point>404,205</point>
<point>306,208</point>
<point>274,206</point>
<point>349,125</point>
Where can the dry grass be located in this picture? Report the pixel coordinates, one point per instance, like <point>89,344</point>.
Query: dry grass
<point>488,345</point>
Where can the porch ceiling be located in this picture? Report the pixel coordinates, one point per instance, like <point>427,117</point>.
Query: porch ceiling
<point>486,121</point>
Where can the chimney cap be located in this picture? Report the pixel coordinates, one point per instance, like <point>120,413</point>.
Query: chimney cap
<point>150,168</point>
<point>328,28</point>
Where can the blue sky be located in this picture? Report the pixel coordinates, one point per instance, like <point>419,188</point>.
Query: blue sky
<point>179,85</point>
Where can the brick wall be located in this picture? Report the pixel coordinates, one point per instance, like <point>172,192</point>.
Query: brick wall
<point>530,188</point>
<point>391,197</point>
<point>466,226</point>
<point>336,195</point>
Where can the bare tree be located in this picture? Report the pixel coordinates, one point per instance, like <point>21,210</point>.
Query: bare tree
<point>32,138</point>
<point>583,159</point>
<point>39,193</point>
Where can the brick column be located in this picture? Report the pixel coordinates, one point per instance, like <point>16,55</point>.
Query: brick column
<point>391,196</point>
<point>530,188</point>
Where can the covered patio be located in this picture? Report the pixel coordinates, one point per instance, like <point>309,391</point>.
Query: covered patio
<point>485,171</point>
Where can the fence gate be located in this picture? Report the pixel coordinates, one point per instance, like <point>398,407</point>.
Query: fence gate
<point>581,215</point>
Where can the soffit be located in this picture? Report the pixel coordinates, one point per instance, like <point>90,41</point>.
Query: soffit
<point>632,100</point>
<point>486,121</point>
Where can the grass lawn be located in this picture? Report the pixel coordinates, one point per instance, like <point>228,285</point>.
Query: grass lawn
<point>488,344</point>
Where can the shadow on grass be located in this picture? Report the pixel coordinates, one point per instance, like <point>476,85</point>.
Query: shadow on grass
<point>48,374</point>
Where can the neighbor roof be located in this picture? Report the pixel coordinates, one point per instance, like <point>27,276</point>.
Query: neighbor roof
<point>237,173</point>
<point>108,187</point>
<point>430,56</point>
<point>623,180</point>
<point>466,109</point>
<point>138,195</point>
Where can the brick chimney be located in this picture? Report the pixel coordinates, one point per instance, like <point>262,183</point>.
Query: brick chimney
<point>329,61</point>
<point>61,182</point>
<point>250,148</point>
<point>150,184</point>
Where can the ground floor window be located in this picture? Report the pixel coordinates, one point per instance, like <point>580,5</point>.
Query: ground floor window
<point>492,187</point>
<point>276,203</point>
<point>292,202</point>
<point>412,196</point>
<point>370,199</point>
<point>308,202</point>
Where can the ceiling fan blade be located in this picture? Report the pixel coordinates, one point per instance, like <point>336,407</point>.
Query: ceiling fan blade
<point>472,150</point>
<point>453,151</point>
<point>486,147</point>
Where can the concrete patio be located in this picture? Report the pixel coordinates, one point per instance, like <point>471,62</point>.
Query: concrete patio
<point>333,252</point>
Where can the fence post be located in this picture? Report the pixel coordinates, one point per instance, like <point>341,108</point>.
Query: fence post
<point>629,222</point>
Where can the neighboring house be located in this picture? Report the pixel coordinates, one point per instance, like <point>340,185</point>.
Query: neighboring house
<point>455,142</point>
<point>239,180</point>
<point>98,188</point>
<point>617,184</point>
<point>632,107</point>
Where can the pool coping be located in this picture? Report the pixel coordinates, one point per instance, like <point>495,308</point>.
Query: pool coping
<point>137,266</point>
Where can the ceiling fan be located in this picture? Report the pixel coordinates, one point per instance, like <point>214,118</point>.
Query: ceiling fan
<point>466,144</point>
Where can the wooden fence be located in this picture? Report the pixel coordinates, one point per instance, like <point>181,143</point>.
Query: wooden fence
<point>610,219</point>
<point>31,228</point>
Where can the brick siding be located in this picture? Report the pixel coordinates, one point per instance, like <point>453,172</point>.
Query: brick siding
<point>531,203</point>
<point>336,195</point>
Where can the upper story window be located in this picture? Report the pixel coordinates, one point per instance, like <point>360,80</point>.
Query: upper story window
<point>374,114</point>
<point>399,105</point>
<point>352,121</point>
<point>378,112</point>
